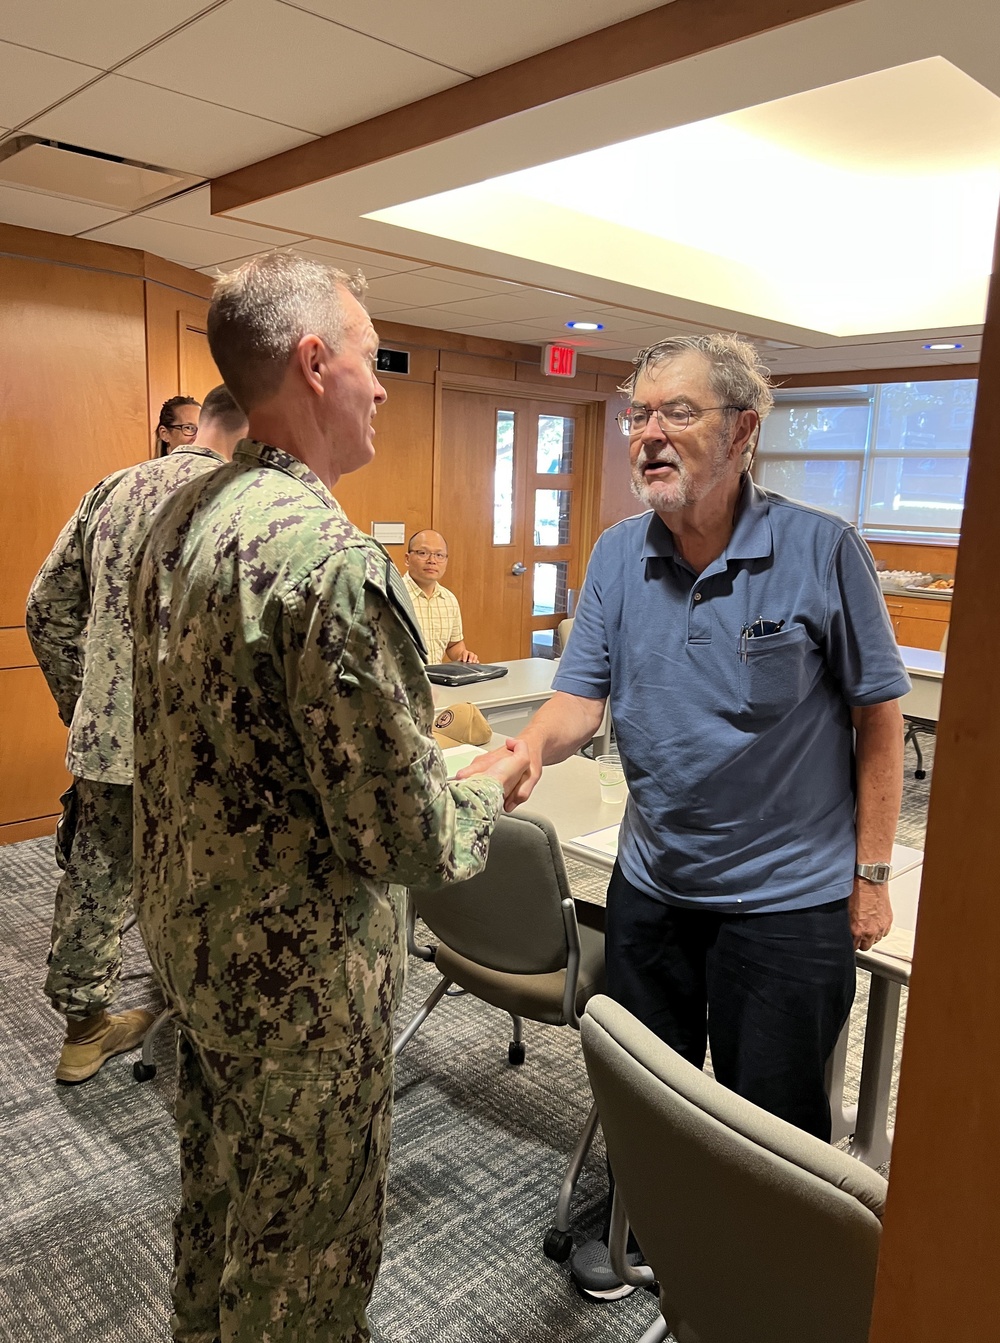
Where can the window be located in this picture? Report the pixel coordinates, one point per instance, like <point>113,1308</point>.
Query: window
<point>503,479</point>
<point>891,457</point>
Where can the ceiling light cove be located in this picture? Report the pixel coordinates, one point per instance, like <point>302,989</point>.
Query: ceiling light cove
<point>944,345</point>
<point>585,326</point>
<point>847,210</point>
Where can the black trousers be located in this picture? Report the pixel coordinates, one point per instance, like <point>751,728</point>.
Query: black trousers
<point>768,992</point>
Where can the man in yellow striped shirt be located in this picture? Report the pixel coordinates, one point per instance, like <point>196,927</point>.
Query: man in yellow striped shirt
<point>437,609</point>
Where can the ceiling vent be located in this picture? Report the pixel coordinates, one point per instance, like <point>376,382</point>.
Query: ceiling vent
<point>75,174</point>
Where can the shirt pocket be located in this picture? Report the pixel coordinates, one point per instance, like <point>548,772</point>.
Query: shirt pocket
<point>776,672</point>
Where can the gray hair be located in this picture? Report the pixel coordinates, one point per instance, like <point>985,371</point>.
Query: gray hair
<point>737,374</point>
<point>262,309</point>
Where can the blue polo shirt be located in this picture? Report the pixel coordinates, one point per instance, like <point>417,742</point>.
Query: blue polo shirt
<point>739,754</point>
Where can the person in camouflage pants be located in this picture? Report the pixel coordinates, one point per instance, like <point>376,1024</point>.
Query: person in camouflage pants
<point>287,787</point>
<point>80,629</point>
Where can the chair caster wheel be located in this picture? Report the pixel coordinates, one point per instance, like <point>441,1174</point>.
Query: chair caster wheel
<point>143,1072</point>
<point>558,1245</point>
<point>515,1052</point>
<point>920,774</point>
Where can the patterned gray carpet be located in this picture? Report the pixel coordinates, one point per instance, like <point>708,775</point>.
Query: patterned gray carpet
<point>88,1181</point>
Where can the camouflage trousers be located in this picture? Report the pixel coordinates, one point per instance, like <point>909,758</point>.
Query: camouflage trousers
<point>93,899</point>
<point>283,1175</point>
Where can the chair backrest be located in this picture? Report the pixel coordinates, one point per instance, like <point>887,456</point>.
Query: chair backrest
<point>755,1230</point>
<point>563,630</point>
<point>509,917</point>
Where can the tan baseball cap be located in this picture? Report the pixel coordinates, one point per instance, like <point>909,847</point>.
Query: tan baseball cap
<point>461,725</point>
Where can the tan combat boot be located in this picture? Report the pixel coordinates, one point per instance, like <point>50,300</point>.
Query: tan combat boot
<point>91,1042</point>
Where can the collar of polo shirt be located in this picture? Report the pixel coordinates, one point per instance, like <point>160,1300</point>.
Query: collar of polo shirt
<point>751,539</point>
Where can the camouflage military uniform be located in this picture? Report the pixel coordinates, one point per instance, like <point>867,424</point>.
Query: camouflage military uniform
<point>80,629</point>
<point>285,776</point>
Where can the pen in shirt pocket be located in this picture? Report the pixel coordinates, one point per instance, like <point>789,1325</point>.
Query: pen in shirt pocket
<point>757,629</point>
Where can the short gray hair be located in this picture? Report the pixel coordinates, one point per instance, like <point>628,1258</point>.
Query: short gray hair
<point>737,374</point>
<point>262,309</point>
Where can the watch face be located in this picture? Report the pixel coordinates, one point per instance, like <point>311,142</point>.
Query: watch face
<point>877,872</point>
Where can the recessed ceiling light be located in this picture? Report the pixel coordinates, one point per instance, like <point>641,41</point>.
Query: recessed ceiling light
<point>945,345</point>
<point>585,326</point>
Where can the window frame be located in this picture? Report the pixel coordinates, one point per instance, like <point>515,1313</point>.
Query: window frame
<point>870,394</point>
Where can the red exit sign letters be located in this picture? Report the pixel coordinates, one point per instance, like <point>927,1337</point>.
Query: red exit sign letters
<point>559,361</point>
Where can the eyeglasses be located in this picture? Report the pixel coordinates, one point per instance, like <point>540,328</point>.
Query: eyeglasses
<point>675,416</point>
<point>188,430</point>
<point>429,554</point>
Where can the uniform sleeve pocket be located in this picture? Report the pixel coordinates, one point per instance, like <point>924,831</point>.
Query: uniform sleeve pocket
<point>321,1164</point>
<point>776,671</point>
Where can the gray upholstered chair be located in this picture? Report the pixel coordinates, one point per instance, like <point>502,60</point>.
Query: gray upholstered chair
<point>755,1231</point>
<point>510,937</point>
<point>563,631</point>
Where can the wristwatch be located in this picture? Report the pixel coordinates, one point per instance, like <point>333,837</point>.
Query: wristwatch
<point>874,872</point>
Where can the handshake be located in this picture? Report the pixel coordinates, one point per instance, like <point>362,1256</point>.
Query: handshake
<point>516,766</point>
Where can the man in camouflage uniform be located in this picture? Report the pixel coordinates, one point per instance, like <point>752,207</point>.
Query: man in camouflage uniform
<point>79,626</point>
<point>287,787</point>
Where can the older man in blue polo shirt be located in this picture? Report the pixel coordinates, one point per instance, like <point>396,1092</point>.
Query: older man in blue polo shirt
<point>753,678</point>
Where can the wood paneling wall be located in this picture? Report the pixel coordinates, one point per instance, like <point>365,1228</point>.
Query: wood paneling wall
<point>77,321</point>
<point>937,1269</point>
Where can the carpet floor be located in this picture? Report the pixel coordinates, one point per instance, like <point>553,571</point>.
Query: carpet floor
<point>88,1180</point>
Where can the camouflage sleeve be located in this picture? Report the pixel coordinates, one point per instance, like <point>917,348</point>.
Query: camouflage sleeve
<point>56,617</point>
<point>58,609</point>
<point>356,689</point>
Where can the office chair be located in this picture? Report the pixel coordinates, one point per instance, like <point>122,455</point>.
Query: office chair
<point>563,632</point>
<point>144,1069</point>
<point>915,726</point>
<point>754,1230</point>
<point>510,937</point>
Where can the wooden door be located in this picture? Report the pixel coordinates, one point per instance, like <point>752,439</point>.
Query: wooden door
<point>510,476</point>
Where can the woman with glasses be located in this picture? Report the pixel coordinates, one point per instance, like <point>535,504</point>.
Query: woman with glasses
<point>178,423</point>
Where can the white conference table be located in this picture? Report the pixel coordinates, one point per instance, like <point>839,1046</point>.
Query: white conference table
<point>508,702</point>
<point>569,795</point>
<point>925,668</point>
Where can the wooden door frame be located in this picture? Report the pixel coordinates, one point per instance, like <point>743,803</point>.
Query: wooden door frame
<point>595,405</point>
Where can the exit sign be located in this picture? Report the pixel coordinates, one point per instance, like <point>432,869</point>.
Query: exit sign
<point>559,361</point>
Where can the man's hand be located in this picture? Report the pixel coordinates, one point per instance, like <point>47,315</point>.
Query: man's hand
<point>515,766</point>
<point>457,652</point>
<point>871,913</point>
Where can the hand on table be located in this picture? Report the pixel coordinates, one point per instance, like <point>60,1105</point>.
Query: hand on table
<point>513,765</point>
<point>871,913</point>
<point>467,657</point>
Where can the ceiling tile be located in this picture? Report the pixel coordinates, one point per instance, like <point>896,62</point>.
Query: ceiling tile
<point>439,318</point>
<point>192,209</point>
<point>342,263</point>
<point>121,116</point>
<point>188,246</point>
<point>31,81</point>
<point>485,284</point>
<point>477,38</point>
<point>416,290</point>
<point>379,307</point>
<point>499,331</point>
<point>343,252</point>
<point>522,304</point>
<point>32,209</point>
<point>99,32</point>
<point>290,66</point>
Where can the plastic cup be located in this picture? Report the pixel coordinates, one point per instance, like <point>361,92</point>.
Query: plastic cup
<point>612,777</point>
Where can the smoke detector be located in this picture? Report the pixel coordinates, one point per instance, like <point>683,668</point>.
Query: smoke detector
<point>56,169</point>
